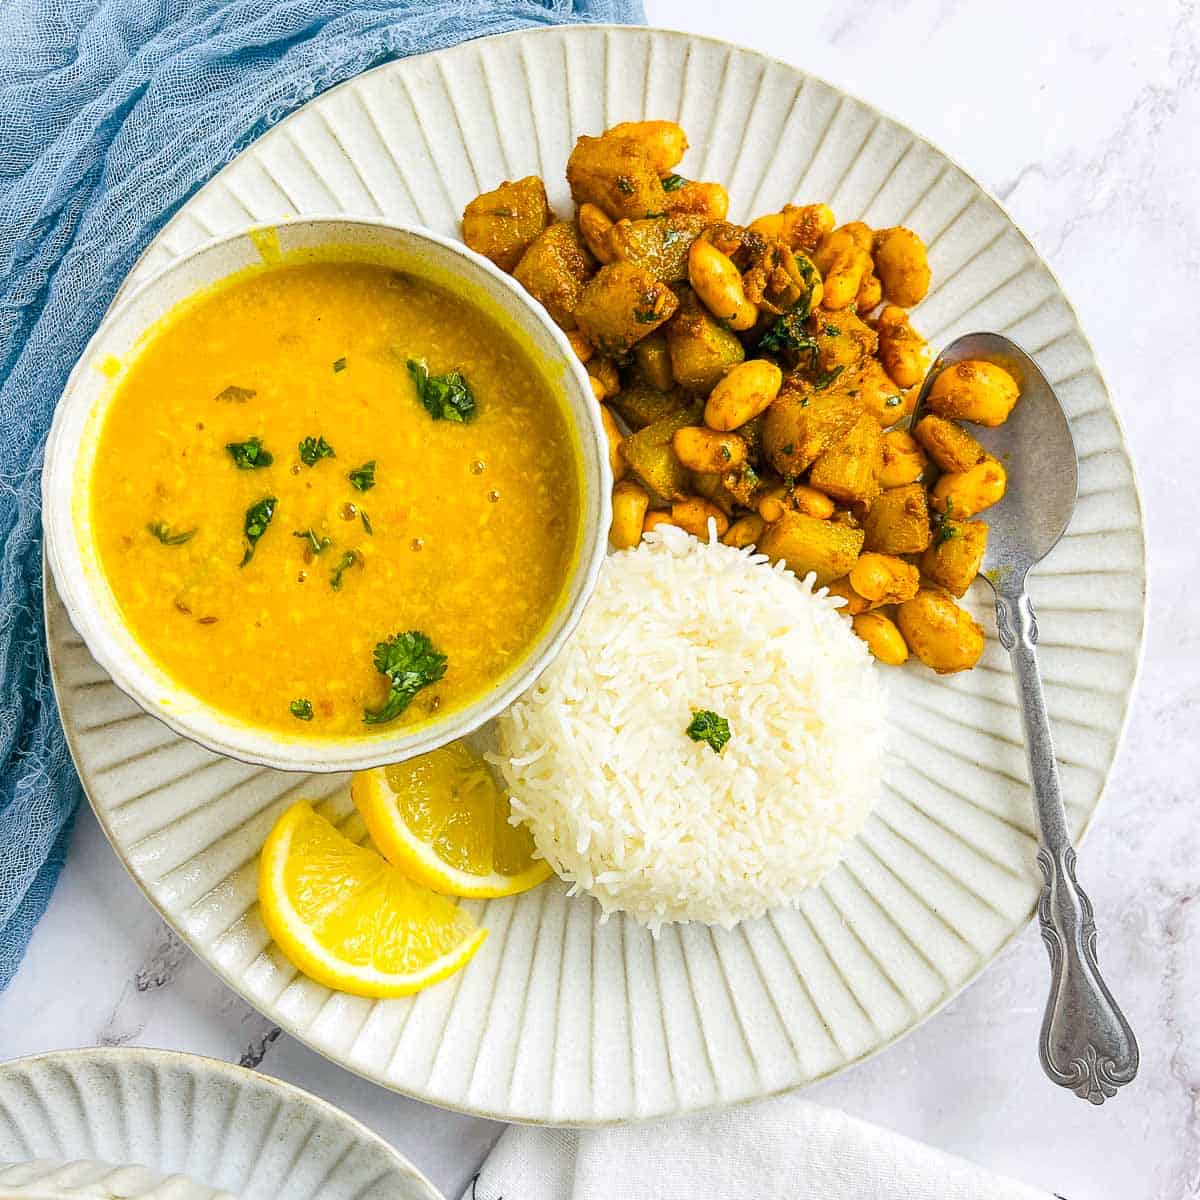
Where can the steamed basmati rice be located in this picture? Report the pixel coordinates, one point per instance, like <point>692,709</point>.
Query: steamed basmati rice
<point>627,808</point>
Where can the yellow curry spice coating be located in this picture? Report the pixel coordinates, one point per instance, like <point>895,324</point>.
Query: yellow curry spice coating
<point>467,533</point>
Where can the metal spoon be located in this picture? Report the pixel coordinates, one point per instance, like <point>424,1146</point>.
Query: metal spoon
<point>1086,1044</point>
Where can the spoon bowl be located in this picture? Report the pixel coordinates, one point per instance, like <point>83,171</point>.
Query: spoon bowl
<point>1037,450</point>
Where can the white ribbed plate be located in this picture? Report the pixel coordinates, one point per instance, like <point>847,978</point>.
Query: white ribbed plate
<point>559,1018</point>
<point>120,1121</point>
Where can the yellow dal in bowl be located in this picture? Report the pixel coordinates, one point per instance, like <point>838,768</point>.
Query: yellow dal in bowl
<point>468,534</point>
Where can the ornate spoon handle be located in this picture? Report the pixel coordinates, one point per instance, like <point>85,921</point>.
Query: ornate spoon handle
<point>1086,1044</point>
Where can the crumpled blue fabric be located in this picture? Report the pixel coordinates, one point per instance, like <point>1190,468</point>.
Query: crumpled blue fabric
<point>113,113</point>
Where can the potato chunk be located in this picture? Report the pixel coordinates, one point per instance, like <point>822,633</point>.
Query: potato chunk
<point>648,452</point>
<point>659,246</point>
<point>554,270</point>
<point>842,338</point>
<point>956,554</point>
<point>808,544</point>
<point>799,428</point>
<point>501,224</point>
<point>898,522</point>
<point>701,349</point>
<point>849,470</point>
<point>620,305</point>
<point>617,175</point>
<point>942,635</point>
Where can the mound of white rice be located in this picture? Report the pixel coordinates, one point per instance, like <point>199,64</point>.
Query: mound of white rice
<point>629,809</point>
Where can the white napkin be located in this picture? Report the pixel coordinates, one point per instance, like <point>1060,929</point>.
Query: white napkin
<point>782,1149</point>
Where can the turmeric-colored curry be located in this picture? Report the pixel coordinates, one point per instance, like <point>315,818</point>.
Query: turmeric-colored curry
<point>330,496</point>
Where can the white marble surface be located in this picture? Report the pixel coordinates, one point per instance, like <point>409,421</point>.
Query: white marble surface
<point>1083,118</point>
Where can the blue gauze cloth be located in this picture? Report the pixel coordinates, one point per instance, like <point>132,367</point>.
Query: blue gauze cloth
<point>113,113</point>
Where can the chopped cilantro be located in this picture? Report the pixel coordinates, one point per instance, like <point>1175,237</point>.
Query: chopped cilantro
<point>945,531</point>
<point>789,449</point>
<point>236,395</point>
<point>893,401</point>
<point>315,544</point>
<point>339,364</point>
<point>645,316</point>
<point>258,517</point>
<point>168,536</point>
<point>624,185</point>
<point>708,726</point>
<point>832,331</point>
<point>363,477</point>
<point>445,397</point>
<point>410,662</point>
<point>313,449</point>
<point>348,560</point>
<point>249,455</point>
<point>362,512</point>
<point>823,381</point>
<point>788,333</point>
<point>672,183</point>
<point>301,709</point>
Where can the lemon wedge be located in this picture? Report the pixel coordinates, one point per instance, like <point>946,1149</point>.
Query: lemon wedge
<point>352,921</point>
<point>442,819</point>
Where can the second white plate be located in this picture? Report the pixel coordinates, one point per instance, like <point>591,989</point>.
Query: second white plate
<point>560,1018</point>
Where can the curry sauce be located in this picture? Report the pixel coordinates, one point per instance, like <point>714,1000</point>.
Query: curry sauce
<point>290,474</point>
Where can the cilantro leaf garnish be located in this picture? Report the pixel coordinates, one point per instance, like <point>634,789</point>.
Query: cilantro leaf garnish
<point>250,454</point>
<point>236,395</point>
<point>315,544</point>
<point>788,333</point>
<point>168,536</point>
<point>411,662</point>
<point>258,517</point>
<point>301,709</point>
<point>708,726</point>
<point>823,381</point>
<point>313,449</point>
<point>348,560</point>
<point>363,477</point>
<point>366,521</point>
<point>445,397</point>
<point>339,364</point>
<point>672,183</point>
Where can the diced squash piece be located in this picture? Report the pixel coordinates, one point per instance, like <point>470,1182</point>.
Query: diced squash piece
<point>638,404</point>
<point>955,555</point>
<point>842,338</point>
<point>620,305</point>
<point>800,427</point>
<point>554,270</point>
<point>502,224</point>
<point>648,453</point>
<point>617,175</point>
<point>659,245</point>
<point>898,522</point>
<point>849,470</point>
<point>701,349</point>
<point>808,544</point>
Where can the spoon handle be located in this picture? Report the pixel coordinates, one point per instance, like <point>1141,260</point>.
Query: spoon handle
<point>1085,1044</point>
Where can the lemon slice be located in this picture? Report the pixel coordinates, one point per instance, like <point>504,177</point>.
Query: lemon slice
<point>352,921</point>
<point>444,822</point>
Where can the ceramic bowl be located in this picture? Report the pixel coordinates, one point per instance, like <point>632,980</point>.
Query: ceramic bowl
<point>74,436</point>
<point>125,1122</point>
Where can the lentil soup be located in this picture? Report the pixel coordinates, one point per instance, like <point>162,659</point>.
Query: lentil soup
<point>311,459</point>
